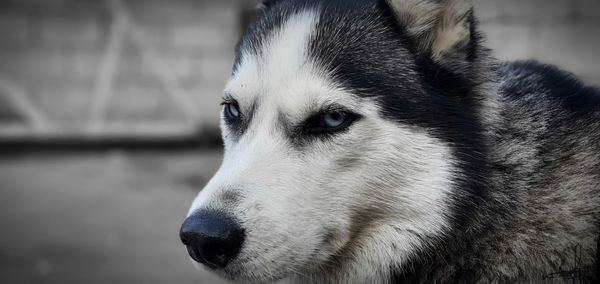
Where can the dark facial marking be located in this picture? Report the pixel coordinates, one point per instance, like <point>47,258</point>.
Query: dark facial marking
<point>237,124</point>
<point>316,126</point>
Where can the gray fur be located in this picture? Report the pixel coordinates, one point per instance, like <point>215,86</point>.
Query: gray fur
<point>540,223</point>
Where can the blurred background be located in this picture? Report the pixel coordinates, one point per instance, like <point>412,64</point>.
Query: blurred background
<point>109,122</point>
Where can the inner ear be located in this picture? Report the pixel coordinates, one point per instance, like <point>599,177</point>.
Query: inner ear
<point>441,28</point>
<point>453,30</point>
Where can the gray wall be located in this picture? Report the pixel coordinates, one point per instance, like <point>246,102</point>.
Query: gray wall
<point>561,32</point>
<point>172,59</point>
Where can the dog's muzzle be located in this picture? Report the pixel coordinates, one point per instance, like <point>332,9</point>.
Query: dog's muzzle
<point>212,238</point>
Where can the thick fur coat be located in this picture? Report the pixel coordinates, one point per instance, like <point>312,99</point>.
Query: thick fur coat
<point>454,167</point>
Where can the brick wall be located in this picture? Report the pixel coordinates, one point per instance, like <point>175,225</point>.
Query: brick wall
<point>52,53</point>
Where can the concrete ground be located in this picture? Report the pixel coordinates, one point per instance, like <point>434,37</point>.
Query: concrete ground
<point>99,218</point>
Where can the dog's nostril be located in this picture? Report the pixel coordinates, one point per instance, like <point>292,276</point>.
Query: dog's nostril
<point>212,238</point>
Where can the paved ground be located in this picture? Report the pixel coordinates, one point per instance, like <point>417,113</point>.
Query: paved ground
<point>98,218</point>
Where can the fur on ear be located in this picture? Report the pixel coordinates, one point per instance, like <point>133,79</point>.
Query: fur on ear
<point>441,27</point>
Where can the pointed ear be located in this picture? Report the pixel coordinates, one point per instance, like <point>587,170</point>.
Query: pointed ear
<point>441,28</point>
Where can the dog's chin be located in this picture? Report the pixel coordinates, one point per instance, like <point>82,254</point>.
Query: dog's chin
<point>252,277</point>
<point>235,275</point>
<point>240,273</point>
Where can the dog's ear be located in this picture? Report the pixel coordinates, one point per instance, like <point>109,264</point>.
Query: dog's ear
<point>439,27</point>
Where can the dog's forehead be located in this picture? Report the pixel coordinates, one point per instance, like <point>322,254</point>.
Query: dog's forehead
<point>282,72</point>
<point>305,53</point>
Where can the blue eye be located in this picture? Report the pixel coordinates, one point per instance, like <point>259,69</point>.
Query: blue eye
<point>231,111</point>
<point>329,122</point>
<point>333,119</point>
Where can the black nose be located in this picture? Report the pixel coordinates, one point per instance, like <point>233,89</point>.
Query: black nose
<point>212,238</point>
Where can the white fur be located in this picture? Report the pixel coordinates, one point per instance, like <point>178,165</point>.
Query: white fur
<point>291,199</point>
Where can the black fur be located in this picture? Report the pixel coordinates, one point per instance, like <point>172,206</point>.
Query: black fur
<point>530,77</point>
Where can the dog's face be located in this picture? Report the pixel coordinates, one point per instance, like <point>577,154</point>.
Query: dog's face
<point>330,159</point>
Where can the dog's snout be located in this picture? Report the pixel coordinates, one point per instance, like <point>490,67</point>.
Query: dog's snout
<point>212,238</point>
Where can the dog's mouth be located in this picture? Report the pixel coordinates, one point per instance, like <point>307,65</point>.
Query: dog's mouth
<point>278,261</point>
<point>254,271</point>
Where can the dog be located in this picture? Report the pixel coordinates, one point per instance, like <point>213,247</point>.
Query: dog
<point>377,141</point>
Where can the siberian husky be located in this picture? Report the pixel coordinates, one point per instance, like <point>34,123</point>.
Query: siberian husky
<point>374,141</point>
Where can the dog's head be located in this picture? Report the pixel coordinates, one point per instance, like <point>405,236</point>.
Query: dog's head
<point>346,127</point>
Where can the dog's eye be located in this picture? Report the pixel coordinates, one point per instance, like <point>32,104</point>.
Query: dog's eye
<point>330,122</point>
<point>333,119</point>
<point>231,111</point>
